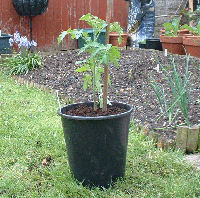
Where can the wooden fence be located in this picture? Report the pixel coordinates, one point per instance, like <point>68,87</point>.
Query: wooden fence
<point>60,15</point>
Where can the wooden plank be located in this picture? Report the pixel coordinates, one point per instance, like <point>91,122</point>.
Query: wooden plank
<point>191,5</point>
<point>191,9</point>
<point>6,19</point>
<point>72,23</point>
<point>39,24</point>
<point>57,20</point>
<point>119,8</point>
<point>95,7</point>
<point>73,18</point>
<point>35,26</point>
<point>181,138</point>
<point>102,9</point>
<point>192,141</point>
<point>49,25</point>
<point>25,26</point>
<point>15,19</point>
<point>80,11</point>
<point>1,12</point>
<point>65,15</point>
<point>87,9</point>
<point>88,6</point>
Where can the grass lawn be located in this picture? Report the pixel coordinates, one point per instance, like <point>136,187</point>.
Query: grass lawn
<point>30,131</point>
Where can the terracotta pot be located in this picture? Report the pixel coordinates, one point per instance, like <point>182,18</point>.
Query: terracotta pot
<point>192,45</point>
<point>113,39</point>
<point>183,32</point>
<point>162,31</point>
<point>180,32</point>
<point>174,44</point>
<point>186,35</point>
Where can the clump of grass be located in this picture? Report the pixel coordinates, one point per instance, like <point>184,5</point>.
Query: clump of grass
<point>17,64</point>
<point>179,95</point>
<point>31,134</point>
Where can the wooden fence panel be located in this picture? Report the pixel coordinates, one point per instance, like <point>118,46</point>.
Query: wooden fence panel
<point>60,15</point>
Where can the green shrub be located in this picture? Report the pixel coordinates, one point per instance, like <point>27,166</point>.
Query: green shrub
<point>24,61</point>
<point>18,64</point>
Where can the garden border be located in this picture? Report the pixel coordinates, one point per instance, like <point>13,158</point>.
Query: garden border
<point>188,139</point>
<point>183,143</point>
<point>44,88</point>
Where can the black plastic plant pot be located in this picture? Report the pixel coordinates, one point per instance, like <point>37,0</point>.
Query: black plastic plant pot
<point>5,47</point>
<point>142,45</point>
<point>96,146</point>
<point>154,43</point>
<point>30,7</point>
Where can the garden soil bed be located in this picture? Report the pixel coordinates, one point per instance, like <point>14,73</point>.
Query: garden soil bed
<point>129,83</point>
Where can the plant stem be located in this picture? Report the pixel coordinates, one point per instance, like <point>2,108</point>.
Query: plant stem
<point>94,88</point>
<point>105,90</point>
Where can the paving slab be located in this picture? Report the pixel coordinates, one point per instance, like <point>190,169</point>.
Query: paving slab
<point>194,159</point>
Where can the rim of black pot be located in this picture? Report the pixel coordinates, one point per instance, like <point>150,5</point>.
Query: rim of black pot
<point>127,107</point>
<point>153,39</point>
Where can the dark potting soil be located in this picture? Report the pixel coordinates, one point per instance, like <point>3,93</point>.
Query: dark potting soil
<point>84,110</point>
<point>129,83</point>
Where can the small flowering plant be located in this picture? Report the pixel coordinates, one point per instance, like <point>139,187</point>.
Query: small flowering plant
<point>27,58</point>
<point>22,42</point>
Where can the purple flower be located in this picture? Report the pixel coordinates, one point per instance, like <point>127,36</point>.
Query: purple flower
<point>11,41</point>
<point>17,37</point>
<point>24,42</point>
<point>33,43</point>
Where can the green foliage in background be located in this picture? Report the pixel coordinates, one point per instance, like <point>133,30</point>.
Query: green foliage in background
<point>171,28</point>
<point>194,30</point>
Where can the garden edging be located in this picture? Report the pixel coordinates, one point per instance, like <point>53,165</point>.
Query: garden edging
<point>186,140</point>
<point>44,88</point>
<point>157,138</point>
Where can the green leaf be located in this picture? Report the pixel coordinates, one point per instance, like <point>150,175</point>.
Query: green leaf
<point>83,69</point>
<point>109,81</point>
<point>80,62</point>
<point>95,22</point>
<point>100,69</point>
<point>105,59</point>
<point>115,27</point>
<point>114,55</point>
<point>87,81</point>
<point>168,25</point>
<point>62,36</point>
<point>171,29</point>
